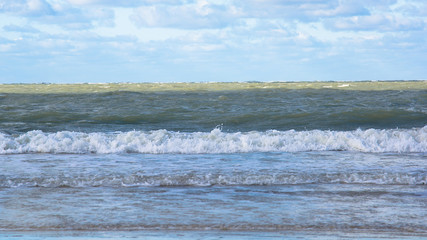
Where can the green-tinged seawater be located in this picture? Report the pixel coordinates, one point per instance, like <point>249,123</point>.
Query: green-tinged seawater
<point>310,160</point>
<point>219,86</point>
<point>204,106</point>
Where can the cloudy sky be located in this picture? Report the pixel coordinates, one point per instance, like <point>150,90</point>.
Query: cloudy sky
<point>76,41</point>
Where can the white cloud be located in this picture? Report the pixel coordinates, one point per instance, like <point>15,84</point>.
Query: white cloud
<point>302,10</point>
<point>201,14</point>
<point>29,8</point>
<point>39,7</point>
<point>83,2</point>
<point>343,9</point>
<point>20,29</point>
<point>132,3</point>
<point>58,13</point>
<point>377,23</point>
<point>251,39</point>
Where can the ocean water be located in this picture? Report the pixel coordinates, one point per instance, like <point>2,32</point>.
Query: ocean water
<point>210,160</point>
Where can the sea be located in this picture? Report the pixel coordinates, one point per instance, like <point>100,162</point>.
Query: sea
<point>239,160</point>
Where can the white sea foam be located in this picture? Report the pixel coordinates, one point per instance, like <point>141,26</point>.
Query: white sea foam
<point>211,179</point>
<point>216,141</point>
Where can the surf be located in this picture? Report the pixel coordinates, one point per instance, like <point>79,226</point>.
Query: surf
<point>216,141</point>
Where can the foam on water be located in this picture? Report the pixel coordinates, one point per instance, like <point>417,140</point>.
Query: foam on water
<point>216,141</point>
<point>215,179</point>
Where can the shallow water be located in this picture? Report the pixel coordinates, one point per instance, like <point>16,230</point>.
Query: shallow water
<point>210,235</point>
<point>321,191</point>
<point>203,161</point>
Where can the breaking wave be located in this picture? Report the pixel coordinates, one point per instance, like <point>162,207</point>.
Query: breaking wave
<point>216,141</point>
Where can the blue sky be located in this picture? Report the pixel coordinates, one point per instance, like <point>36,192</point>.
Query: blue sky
<point>77,41</point>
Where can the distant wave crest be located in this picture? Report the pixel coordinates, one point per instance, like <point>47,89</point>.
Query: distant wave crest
<point>216,141</point>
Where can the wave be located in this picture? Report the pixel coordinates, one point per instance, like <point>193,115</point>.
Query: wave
<point>201,110</point>
<point>213,179</point>
<point>216,141</point>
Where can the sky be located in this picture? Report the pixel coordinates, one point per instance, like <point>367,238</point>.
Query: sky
<point>97,41</point>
